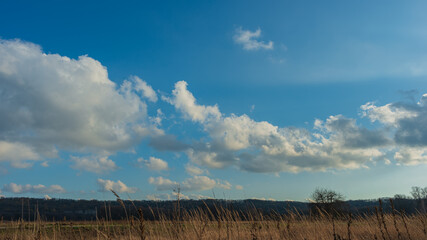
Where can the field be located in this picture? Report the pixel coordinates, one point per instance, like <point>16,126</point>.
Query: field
<point>226,224</point>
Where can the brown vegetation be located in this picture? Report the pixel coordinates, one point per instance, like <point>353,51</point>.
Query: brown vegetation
<point>221,223</point>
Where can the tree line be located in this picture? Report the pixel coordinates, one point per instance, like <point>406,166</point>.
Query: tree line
<point>321,201</point>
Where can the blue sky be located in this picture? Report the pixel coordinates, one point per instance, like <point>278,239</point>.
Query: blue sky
<point>232,99</point>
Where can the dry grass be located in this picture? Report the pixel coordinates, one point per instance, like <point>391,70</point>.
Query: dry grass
<point>221,223</point>
<point>201,224</point>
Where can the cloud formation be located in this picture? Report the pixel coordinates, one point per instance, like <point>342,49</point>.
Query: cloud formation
<point>174,196</point>
<point>28,188</point>
<point>154,163</point>
<point>337,143</point>
<point>93,164</point>
<point>19,155</point>
<point>407,123</point>
<point>247,39</point>
<point>195,183</point>
<point>52,102</point>
<point>118,187</point>
<point>193,170</point>
<point>334,143</point>
<point>147,90</point>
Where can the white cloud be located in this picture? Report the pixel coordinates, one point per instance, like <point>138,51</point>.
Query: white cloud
<point>196,183</point>
<point>406,120</point>
<point>389,114</point>
<point>155,164</point>
<point>163,184</point>
<point>119,186</point>
<point>28,188</point>
<point>248,40</point>
<point>193,170</point>
<point>198,196</point>
<point>50,101</point>
<point>206,158</point>
<point>262,147</point>
<point>172,196</point>
<point>184,101</point>
<point>223,184</point>
<point>239,187</point>
<point>157,120</point>
<point>147,90</point>
<point>411,155</point>
<point>94,164</point>
<point>158,197</point>
<point>19,155</point>
<point>47,197</point>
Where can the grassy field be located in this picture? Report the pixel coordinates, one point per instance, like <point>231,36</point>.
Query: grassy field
<point>201,224</point>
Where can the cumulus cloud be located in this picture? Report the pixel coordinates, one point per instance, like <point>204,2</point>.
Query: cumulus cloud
<point>407,120</point>
<point>163,184</point>
<point>389,114</point>
<point>184,101</point>
<point>411,155</point>
<point>261,146</point>
<point>19,155</point>
<point>351,135</point>
<point>51,102</point>
<point>93,164</point>
<point>119,186</point>
<point>154,163</point>
<point>247,39</point>
<point>147,90</point>
<point>28,188</point>
<point>196,183</point>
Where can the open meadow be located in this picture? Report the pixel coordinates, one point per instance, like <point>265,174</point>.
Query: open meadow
<point>227,224</point>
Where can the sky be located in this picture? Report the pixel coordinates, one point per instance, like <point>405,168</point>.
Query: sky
<point>212,99</point>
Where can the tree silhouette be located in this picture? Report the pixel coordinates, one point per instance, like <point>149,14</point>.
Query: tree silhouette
<point>326,201</point>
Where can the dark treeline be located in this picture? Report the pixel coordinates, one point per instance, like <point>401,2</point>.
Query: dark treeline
<point>30,209</point>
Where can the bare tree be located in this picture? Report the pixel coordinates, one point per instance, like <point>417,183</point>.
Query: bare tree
<point>323,195</point>
<point>420,194</point>
<point>327,201</point>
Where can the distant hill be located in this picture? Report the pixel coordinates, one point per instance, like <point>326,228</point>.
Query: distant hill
<point>67,209</point>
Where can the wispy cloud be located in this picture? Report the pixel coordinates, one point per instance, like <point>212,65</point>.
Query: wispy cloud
<point>28,188</point>
<point>248,40</point>
<point>195,183</point>
<point>194,171</point>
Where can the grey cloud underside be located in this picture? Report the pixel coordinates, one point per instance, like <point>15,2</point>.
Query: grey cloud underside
<point>167,143</point>
<point>408,118</point>
<point>412,131</point>
<point>357,137</point>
